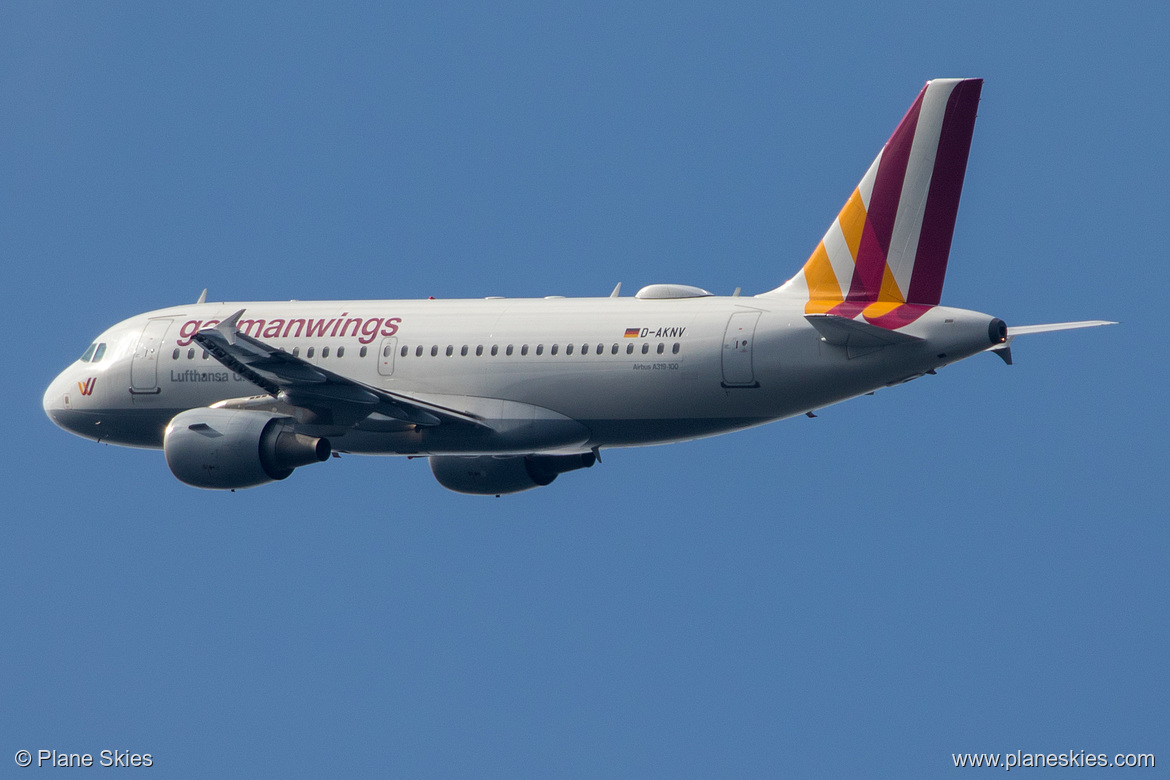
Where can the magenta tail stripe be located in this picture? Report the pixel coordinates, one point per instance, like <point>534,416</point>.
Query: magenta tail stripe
<point>848,309</point>
<point>942,202</point>
<point>883,206</point>
<point>899,317</point>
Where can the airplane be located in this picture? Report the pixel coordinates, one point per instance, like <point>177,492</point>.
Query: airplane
<point>503,395</point>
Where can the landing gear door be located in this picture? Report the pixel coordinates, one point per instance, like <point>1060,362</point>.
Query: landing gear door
<point>386,356</point>
<point>737,350</point>
<point>144,364</point>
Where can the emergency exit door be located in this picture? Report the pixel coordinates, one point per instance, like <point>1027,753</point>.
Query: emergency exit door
<point>144,364</point>
<point>737,350</point>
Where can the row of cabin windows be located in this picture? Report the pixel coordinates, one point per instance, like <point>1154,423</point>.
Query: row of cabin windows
<point>510,349</point>
<point>311,352</point>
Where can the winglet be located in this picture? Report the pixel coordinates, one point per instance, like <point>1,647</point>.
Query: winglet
<point>228,326</point>
<point>616,291</point>
<point>202,297</point>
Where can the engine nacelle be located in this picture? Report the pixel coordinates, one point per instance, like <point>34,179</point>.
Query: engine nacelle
<point>494,476</point>
<point>224,449</point>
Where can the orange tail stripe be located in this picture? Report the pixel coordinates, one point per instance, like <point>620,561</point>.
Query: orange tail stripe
<point>852,220</point>
<point>818,272</point>
<point>890,291</point>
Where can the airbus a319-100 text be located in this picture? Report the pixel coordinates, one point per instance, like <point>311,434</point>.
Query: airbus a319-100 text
<point>505,394</point>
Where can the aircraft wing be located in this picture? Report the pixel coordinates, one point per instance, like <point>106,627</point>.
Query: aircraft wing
<point>333,399</point>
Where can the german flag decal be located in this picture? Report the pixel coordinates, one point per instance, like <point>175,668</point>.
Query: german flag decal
<point>632,333</point>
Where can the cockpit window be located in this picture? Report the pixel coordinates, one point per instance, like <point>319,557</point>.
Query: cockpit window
<point>99,353</point>
<point>88,353</point>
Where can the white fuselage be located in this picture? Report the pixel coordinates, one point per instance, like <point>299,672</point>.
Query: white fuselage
<point>548,375</point>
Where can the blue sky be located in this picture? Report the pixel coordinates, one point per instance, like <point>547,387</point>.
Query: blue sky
<point>974,562</point>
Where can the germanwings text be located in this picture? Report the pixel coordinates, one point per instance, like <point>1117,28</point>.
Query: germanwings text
<point>364,329</point>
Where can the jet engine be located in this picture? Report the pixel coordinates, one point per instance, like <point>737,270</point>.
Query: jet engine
<point>226,449</point>
<point>494,476</point>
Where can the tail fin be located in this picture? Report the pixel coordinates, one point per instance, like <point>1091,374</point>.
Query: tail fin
<point>890,243</point>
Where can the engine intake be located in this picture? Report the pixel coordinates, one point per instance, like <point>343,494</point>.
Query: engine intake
<point>225,449</point>
<point>493,476</point>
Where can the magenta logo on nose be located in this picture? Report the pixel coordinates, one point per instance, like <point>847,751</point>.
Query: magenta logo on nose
<point>86,387</point>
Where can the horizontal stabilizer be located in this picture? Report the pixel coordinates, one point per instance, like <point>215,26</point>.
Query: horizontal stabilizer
<point>855,333</point>
<point>1024,330</point>
<point>1004,350</point>
<point>857,337</point>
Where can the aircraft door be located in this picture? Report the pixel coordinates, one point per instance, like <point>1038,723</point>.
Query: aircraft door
<point>737,350</point>
<point>144,364</point>
<point>386,356</point>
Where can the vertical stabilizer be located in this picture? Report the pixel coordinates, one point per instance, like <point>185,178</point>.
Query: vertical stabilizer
<point>889,245</point>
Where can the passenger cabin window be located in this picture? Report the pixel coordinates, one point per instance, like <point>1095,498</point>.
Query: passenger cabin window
<point>540,349</point>
<point>450,350</point>
<point>554,349</point>
<point>524,350</point>
<point>309,354</point>
<point>402,352</point>
<point>645,348</point>
<point>675,348</point>
<point>435,350</point>
<point>661,348</point>
<point>600,348</point>
<point>495,349</point>
<point>614,350</point>
<point>362,352</point>
<point>175,354</point>
<point>629,349</point>
<point>568,349</point>
<point>418,351</point>
<point>325,352</point>
<point>205,354</point>
<point>296,352</point>
<point>479,351</point>
<point>463,351</point>
<point>508,351</point>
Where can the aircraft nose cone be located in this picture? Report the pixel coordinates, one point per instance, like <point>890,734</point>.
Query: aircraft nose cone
<point>53,401</point>
<point>60,411</point>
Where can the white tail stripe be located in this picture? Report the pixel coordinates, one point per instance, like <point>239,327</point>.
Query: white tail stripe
<point>840,258</point>
<point>916,185</point>
<point>865,188</point>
